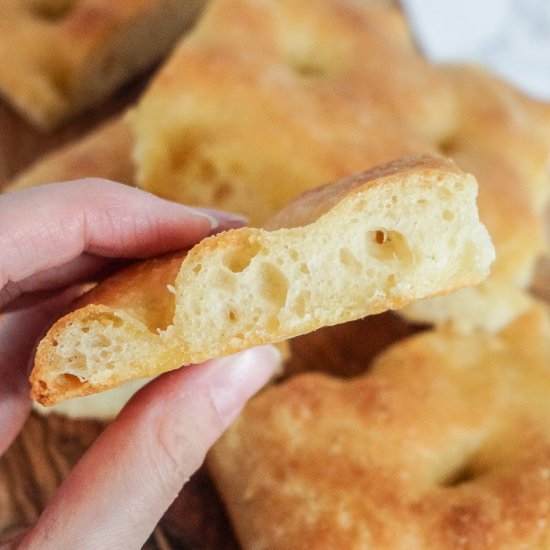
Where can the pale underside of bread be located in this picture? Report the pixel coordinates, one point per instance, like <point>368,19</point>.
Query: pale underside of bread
<point>443,444</point>
<point>362,245</point>
<point>58,57</point>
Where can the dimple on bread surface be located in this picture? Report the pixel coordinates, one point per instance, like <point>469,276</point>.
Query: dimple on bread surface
<point>371,242</point>
<point>443,444</point>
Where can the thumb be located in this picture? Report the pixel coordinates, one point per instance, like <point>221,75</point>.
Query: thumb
<point>119,490</point>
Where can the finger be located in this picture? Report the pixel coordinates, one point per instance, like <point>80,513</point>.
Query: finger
<point>50,225</point>
<point>19,332</point>
<point>24,293</point>
<point>119,490</point>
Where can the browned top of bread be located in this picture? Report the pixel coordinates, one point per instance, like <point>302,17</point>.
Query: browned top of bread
<point>444,444</point>
<point>373,242</point>
<point>58,56</point>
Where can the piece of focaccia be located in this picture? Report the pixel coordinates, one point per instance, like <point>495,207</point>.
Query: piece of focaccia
<point>362,245</point>
<point>59,56</point>
<point>443,444</point>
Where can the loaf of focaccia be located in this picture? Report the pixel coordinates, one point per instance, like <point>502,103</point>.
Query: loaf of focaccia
<point>443,444</point>
<point>59,56</point>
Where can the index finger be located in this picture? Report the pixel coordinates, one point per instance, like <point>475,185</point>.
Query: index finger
<point>48,226</point>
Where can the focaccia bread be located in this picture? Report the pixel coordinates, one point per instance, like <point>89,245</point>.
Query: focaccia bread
<point>105,152</point>
<point>264,100</point>
<point>489,306</point>
<point>499,299</point>
<point>59,56</point>
<point>443,445</point>
<point>362,245</point>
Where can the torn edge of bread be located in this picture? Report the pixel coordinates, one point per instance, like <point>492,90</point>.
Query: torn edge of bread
<point>365,244</point>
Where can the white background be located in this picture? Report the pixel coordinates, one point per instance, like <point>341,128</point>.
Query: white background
<point>512,37</point>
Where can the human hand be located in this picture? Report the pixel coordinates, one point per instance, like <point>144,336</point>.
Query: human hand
<point>51,239</point>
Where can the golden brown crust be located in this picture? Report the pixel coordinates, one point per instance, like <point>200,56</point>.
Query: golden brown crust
<point>445,443</point>
<point>57,57</point>
<point>312,204</point>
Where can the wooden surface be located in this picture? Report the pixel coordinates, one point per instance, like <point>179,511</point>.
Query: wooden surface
<point>48,447</point>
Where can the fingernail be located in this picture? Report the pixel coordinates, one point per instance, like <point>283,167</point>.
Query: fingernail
<point>238,377</point>
<point>219,219</point>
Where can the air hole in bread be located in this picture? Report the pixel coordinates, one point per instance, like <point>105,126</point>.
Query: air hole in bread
<point>238,261</point>
<point>299,306</point>
<point>224,280</point>
<point>448,215</point>
<point>305,269</point>
<point>68,381</point>
<point>459,186</point>
<point>349,260</point>
<point>390,282</point>
<point>232,315</point>
<point>380,237</point>
<point>444,194</point>
<point>385,245</point>
<point>274,284</point>
<point>272,323</point>
<point>51,10</point>
<point>464,474</point>
<point>110,320</point>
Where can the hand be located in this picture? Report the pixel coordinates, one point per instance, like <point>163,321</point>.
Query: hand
<point>51,239</point>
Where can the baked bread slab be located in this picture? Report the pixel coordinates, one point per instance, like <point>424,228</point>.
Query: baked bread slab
<point>362,245</point>
<point>443,444</point>
<point>59,56</point>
